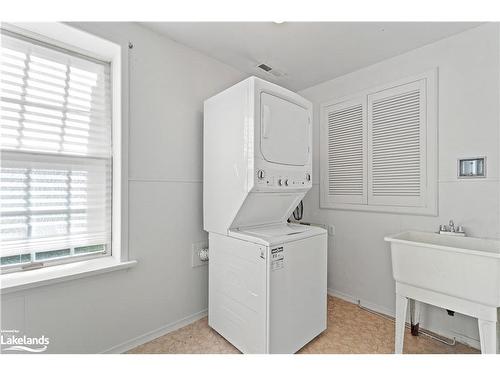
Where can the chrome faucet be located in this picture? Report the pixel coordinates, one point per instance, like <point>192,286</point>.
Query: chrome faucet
<point>452,229</point>
<point>451,225</point>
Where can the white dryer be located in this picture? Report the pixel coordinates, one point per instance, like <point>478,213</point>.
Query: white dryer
<point>267,278</point>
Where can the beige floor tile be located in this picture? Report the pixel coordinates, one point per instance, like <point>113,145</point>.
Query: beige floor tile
<point>350,330</point>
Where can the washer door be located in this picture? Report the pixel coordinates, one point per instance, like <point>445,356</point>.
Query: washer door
<point>284,136</point>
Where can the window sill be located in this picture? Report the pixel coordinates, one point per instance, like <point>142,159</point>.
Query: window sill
<point>15,282</point>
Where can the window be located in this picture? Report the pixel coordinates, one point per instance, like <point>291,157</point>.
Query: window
<point>56,173</point>
<point>380,148</point>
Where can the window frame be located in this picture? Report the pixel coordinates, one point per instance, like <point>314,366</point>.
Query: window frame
<point>76,41</point>
<point>430,194</point>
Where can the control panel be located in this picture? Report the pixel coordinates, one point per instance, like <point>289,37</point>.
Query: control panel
<point>283,180</point>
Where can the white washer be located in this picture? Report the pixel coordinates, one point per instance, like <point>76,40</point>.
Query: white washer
<point>267,278</point>
<point>268,287</point>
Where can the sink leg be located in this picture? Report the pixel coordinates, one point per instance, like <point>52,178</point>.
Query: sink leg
<point>415,308</point>
<point>401,306</point>
<point>488,336</point>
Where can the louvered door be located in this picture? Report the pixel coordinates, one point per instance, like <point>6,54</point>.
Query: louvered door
<point>344,132</point>
<point>397,146</point>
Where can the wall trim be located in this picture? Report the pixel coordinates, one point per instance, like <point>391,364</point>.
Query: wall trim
<point>470,180</point>
<point>375,307</point>
<point>364,303</point>
<point>142,339</point>
<point>167,180</point>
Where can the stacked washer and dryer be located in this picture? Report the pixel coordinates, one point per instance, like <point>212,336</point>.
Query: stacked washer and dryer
<point>267,277</point>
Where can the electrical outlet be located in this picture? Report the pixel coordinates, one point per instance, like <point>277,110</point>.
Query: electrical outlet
<point>195,258</point>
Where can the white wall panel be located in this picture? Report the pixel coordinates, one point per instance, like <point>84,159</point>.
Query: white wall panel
<point>359,260</point>
<point>119,309</point>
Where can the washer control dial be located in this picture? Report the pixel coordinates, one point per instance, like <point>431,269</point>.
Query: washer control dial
<point>261,174</point>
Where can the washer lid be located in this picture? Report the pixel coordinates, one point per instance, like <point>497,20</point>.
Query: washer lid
<point>277,233</point>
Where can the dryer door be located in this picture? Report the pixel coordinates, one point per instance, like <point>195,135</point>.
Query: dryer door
<point>284,136</point>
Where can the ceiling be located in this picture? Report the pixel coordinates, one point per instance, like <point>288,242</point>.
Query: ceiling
<point>305,53</point>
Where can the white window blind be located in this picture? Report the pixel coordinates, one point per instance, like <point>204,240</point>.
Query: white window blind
<point>56,153</point>
<point>379,149</point>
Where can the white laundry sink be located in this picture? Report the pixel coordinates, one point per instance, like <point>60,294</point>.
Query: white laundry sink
<point>457,273</point>
<point>464,267</point>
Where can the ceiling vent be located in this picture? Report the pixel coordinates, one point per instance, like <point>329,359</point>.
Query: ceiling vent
<point>270,70</point>
<point>265,67</point>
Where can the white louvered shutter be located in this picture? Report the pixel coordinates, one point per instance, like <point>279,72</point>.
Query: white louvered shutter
<point>397,146</point>
<point>56,153</point>
<point>345,129</point>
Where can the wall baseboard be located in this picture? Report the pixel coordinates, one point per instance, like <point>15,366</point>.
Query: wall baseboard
<point>368,304</point>
<point>373,306</point>
<point>142,339</point>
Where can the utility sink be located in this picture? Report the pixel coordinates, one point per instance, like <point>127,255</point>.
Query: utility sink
<point>461,274</point>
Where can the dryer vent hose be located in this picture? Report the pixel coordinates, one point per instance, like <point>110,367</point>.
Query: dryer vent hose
<point>298,213</point>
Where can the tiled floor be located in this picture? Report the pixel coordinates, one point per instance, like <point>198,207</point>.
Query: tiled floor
<point>350,330</point>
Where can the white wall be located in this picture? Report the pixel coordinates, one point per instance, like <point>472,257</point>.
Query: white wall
<point>359,260</point>
<point>168,83</point>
